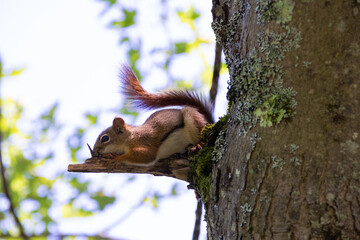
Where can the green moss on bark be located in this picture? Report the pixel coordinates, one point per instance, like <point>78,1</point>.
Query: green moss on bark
<point>203,161</point>
<point>279,106</point>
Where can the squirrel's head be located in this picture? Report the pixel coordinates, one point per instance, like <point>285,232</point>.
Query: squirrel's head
<point>112,139</point>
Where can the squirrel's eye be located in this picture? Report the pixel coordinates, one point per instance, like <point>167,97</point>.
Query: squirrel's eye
<point>105,139</point>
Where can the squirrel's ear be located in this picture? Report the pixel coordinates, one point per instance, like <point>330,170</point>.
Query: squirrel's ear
<point>118,124</point>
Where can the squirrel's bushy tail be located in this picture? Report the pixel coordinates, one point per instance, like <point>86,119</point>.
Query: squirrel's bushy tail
<point>143,99</point>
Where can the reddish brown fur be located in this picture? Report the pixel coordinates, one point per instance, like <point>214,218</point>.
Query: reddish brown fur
<point>143,99</point>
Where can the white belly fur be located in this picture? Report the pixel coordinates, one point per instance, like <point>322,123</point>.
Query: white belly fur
<point>176,142</point>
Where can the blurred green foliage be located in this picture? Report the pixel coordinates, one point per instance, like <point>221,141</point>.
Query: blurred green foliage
<point>189,17</point>
<point>129,19</point>
<point>26,155</point>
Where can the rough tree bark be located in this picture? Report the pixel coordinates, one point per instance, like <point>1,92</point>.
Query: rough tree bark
<point>288,164</point>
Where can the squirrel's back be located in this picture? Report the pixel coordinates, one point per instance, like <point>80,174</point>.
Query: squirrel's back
<point>143,99</point>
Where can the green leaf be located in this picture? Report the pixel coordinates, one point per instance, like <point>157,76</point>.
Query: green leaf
<point>125,39</point>
<point>111,2</point>
<point>48,118</point>
<point>134,55</point>
<point>128,20</point>
<point>189,17</point>
<point>184,84</point>
<point>124,110</point>
<point>80,186</point>
<point>174,190</point>
<point>49,115</point>
<point>224,68</point>
<point>166,65</point>
<point>91,118</point>
<point>153,201</point>
<point>131,178</point>
<point>14,72</point>
<point>12,112</point>
<point>80,133</point>
<point>19,183</point>
<point>103,201</point>
<point>207,73</point>
<point>181,47</point>
<point>69,211</point>
<point>73,151</point>
<point>196,43</point>
<point>45,204</point>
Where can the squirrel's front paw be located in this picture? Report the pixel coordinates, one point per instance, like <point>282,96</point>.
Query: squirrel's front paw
<point>194,148</point>
<point>107,159</point>
<point>110,160</point>
<point>108,163</point>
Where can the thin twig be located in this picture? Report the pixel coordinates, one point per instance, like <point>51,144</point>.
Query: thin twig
<point>213,93</point>
<point>216,74</point>
<point>11,205</point>
<point>5,184</point>
<point>198,213</point>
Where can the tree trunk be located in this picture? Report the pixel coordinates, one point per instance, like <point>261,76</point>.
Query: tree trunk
<point>288,164</point>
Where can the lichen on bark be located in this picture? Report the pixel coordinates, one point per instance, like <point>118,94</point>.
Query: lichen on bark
<point>258,80</point>
<point>301,179</point>
<point>257,76</point>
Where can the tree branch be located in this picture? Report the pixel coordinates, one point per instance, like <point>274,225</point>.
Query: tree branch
<point>176,166</point>
<point>198,213</point>
<point>11,204</point>
<point>216,74</point>
<point>5,183</point>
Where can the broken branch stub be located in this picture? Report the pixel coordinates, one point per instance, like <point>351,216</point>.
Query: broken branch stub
<point>176,166</point>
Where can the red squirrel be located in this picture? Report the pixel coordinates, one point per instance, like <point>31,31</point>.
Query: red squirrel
<point>164,133</point>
